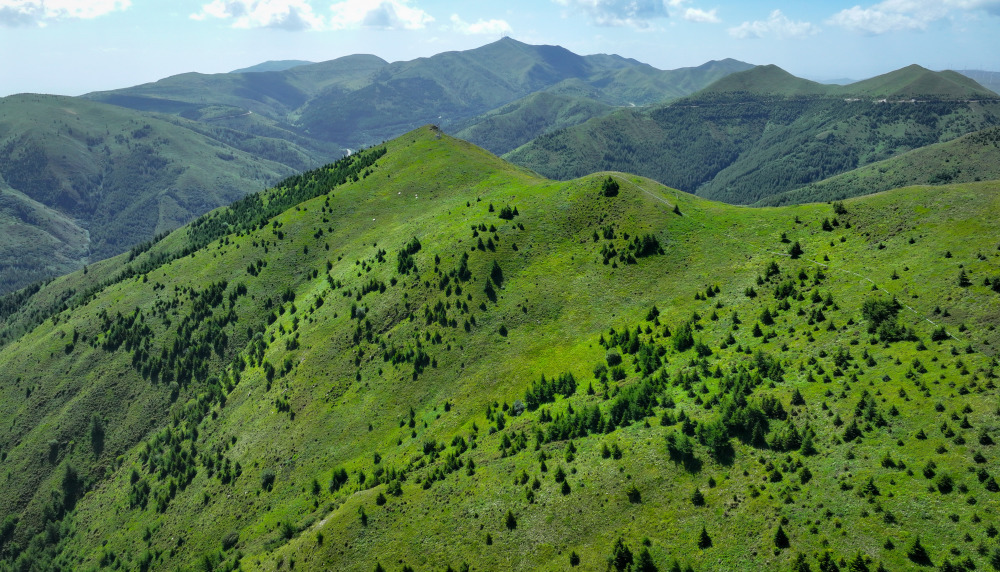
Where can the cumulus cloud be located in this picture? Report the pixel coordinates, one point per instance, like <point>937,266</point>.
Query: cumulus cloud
<point>491,27</point>
<point>300,14</point>
<point>896,15</point>
<point>40,12</point>
<point>777,24</point>
<point>635,13</point>
<point>281,14</point>
<point>384,14</point>
<point>701,16</point>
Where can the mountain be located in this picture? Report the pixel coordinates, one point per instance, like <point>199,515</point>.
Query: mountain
<point>916,81</point>
<point>761,132</point>
<point>70,200</point>
<point>513,125</point>
<point>359,100</point>
<point>273,94</point>
<point>988,79</point>
<point>81,181</point>
<point>421,356</point>
<point>273,66</point>
<point>972,157</point>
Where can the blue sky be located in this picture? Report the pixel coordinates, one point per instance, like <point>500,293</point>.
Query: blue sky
<point>75,46</point>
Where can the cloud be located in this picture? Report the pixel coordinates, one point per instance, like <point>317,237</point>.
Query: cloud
<point>383,14</point>
<point>777,24</point>
<point>896,15</point>
<point>701,16</point>
<point>291,15</point>
<point>40,12</point>
<point>635,13</point>
<point>491,27</point>
<point>299,15</point>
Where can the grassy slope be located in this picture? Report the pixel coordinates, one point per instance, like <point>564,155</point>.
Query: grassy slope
<point>762,131</point>
<point>101,167</point>
<point>973,157</point>
<point>340,402</point>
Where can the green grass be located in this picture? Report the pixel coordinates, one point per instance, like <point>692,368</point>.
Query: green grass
<point>341,402</point>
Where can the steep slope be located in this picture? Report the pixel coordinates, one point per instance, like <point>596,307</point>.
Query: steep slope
<point>82,181</point>
<point>356,378</point>
<point>973,157</point>
<point>988,79</point>
<point>761,132</point>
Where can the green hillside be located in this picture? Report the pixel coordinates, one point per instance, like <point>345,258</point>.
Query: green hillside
<point>81,181</point>
<point>513,125</point>
<point>919,82</point>
<point>423,357</point>
<point>973,157</point>
<point>761,132</point>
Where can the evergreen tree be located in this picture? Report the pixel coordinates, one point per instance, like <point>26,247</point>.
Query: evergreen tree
<point>621,556</point>
<point>795,251</point>
<point>511,521</point>
<point>704,540</point>
<point>645,562</point>
<point>780,538</point>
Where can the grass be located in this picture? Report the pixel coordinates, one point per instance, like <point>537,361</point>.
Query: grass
<point>341,402</point>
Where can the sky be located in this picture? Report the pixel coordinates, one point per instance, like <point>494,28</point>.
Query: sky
<point>71,47</point>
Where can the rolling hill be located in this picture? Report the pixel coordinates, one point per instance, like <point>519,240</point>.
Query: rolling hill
<point>972,157</point>
<point>760,132</point>
<point>81,181</point>
<point>424,357</point>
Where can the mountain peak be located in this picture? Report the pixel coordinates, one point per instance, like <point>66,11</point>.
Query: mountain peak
<point>917,81</point>
<point>765,79</point>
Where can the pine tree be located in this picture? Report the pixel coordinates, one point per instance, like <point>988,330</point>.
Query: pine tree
<point>621,556</point>
<point>780,538</point>
<point>645,562</point>
<point>704,540</point>
<point>795,251</point>
<point>511,521</point>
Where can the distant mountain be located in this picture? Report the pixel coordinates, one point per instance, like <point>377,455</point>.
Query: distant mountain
<point>359,100</point>
<point>970,158</point>
<point>273,66</point>
<point>919,82</point>
<point>760,132</point>
<point>766,79</point>
<point>988,79</point>
<point>81,181</point>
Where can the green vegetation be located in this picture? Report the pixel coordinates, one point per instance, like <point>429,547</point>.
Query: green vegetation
<point>761,132</point>
<point>81,181</point>
<point>266,388</point>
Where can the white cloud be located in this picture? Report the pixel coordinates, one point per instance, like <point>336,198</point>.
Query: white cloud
<point>635,13</point>
<point>701,16</point>
<point>777,24</point>
<point>384,14</point>
<point>282,14</point>
<point>300,14</point>
<point>895,15</point>
<point>491,27</point>
<point>39,12</point>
